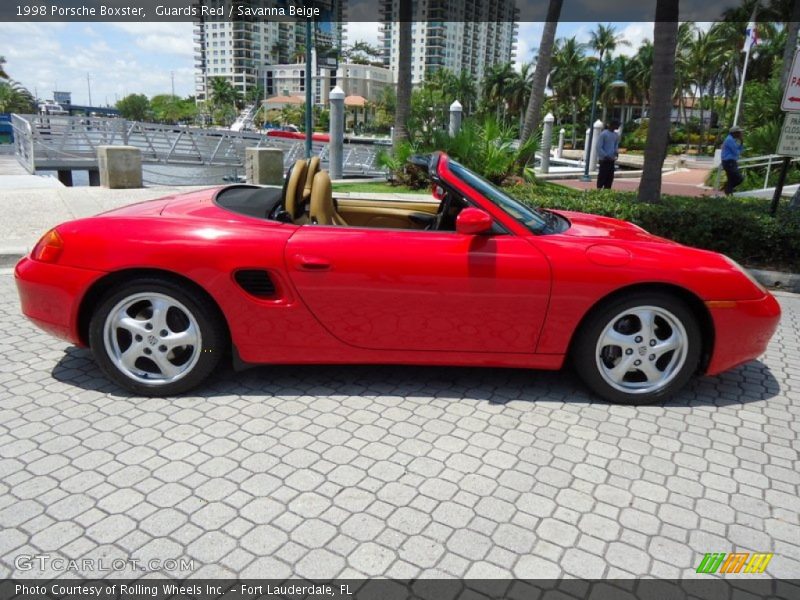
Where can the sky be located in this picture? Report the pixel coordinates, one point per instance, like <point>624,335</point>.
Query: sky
<point>124,58</point>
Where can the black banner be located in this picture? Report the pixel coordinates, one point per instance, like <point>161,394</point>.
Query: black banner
<point>739,586</point>
<point>363,10</point>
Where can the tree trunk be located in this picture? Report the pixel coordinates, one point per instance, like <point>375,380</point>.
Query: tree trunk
<point>404,83</point>
<point>665,38</point>
<point>791,42</point>
<point>532,114</point>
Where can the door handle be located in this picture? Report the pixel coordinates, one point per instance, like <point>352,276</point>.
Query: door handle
<point>311,263</point>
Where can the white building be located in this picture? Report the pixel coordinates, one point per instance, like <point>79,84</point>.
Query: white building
<point>355,79</point>
<point>452,34</point>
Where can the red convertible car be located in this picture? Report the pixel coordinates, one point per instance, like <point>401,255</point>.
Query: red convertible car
<point>163,290</point>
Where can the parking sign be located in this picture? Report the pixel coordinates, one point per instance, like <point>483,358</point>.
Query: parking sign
<point>791,95</point>
<point>789,144</point>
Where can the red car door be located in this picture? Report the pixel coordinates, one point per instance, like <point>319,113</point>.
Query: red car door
<point>422,290</point>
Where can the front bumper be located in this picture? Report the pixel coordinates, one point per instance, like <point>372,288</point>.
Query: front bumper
<point>50,295</point>
<point>742,330</point>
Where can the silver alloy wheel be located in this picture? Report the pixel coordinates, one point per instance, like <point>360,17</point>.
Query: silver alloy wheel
<point>641,350</point>
<point>152,338</point>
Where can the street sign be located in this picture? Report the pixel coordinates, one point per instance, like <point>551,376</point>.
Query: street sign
<point>789,144</point>
<point>791,95</point>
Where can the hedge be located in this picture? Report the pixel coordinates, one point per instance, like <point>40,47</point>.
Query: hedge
<point>742,228</point>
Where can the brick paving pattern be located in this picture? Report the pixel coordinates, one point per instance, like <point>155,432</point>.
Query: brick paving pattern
<point>322,472</point>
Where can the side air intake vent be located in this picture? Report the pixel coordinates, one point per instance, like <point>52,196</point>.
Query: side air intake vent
<point>255,282</point>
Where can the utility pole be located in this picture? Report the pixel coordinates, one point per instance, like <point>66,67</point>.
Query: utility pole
<point>172,77</point>
<point>89,86</point>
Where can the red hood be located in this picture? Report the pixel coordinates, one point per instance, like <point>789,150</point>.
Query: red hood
<point>606,228</point>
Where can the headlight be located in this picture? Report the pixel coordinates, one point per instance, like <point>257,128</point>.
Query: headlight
<point>746,273</point>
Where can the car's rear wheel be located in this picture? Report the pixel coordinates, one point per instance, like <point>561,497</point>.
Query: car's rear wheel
<point>638,349</point>
<point>156,339</point>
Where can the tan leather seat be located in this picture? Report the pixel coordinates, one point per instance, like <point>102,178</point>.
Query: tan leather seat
<point>322,210</point>
<point>313,169</point>
<point>293,201</point>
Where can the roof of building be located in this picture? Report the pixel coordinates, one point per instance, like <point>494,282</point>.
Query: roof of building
<point>285,100</point>
<point>358,101</point>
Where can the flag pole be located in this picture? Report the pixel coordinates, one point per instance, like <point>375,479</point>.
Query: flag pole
<point>749,43</point>
<point>741,87</point>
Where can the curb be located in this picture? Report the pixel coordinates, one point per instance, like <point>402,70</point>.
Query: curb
<point>10,256</point>
<point>789,282</point>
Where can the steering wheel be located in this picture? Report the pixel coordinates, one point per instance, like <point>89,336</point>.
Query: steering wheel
<point>444,209</point>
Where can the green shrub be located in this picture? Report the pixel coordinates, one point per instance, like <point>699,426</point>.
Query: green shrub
<point>486,146</point>
<point>402,172</point>
<point>742,228</point>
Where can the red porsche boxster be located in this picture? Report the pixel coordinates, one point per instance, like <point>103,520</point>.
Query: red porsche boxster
<point>163,290</point>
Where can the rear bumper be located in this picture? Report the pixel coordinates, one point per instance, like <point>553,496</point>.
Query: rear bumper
<point>50,295</point>
<point>742,330</point>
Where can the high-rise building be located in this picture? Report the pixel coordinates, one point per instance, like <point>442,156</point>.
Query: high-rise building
<point>238,50</point>
<point>458,35</point>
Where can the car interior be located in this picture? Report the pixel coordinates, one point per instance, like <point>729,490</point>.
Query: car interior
<point>306,198</point>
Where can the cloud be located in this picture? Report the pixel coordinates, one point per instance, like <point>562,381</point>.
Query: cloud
<point>635,34</point>
<point>528,39</point>
<point>358,31</point>
<point>165,38</point>
<point>119,58</point>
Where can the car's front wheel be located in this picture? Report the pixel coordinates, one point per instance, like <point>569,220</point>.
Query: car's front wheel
<point>156,339</point>
<point>638,349</point>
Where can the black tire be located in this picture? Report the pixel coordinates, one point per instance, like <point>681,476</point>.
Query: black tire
<point>595,363</point>
<point>185,314</point>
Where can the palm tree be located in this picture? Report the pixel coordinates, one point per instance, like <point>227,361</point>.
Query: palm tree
<point>683,80</point>
<point>704,58</point>
<point>299,54</point>
<point>495,87</point>
<point>641,69</point>
<point>543,61</point>
<point>3,74</point>
<point>15,98</point>
<point>570,75</point>
<point>518,89</point>
<point>665,35</point>
<point>404,81</point>
<point>604,40</point>
<point>223,93</point>
<point>464,91</point>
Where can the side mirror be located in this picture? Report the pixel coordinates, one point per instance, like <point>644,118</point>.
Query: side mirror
<point>473,221</point>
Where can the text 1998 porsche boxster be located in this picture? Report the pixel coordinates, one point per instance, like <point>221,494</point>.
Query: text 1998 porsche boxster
<point>162,290</point>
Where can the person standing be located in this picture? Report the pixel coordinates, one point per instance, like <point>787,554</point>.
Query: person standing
<point>607,153</point>
<point>731,150</point>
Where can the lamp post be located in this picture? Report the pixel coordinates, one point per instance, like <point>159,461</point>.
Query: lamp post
<point>618,82</point>
<point>309,106</point>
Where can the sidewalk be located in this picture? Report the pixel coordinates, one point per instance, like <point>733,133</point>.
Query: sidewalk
<point>30,211</point>
<point>682,182</point>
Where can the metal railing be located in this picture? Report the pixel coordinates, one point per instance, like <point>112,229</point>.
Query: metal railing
<point>59,142</point>
<point>755,162</point>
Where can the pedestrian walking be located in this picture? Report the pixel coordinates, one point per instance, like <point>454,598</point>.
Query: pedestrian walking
<point>731,149</point>
<point>607,154</point>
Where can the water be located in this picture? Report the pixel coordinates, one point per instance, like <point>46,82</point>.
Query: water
<point>170,175</point>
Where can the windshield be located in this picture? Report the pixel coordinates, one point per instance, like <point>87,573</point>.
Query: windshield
<point>531,218</point>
